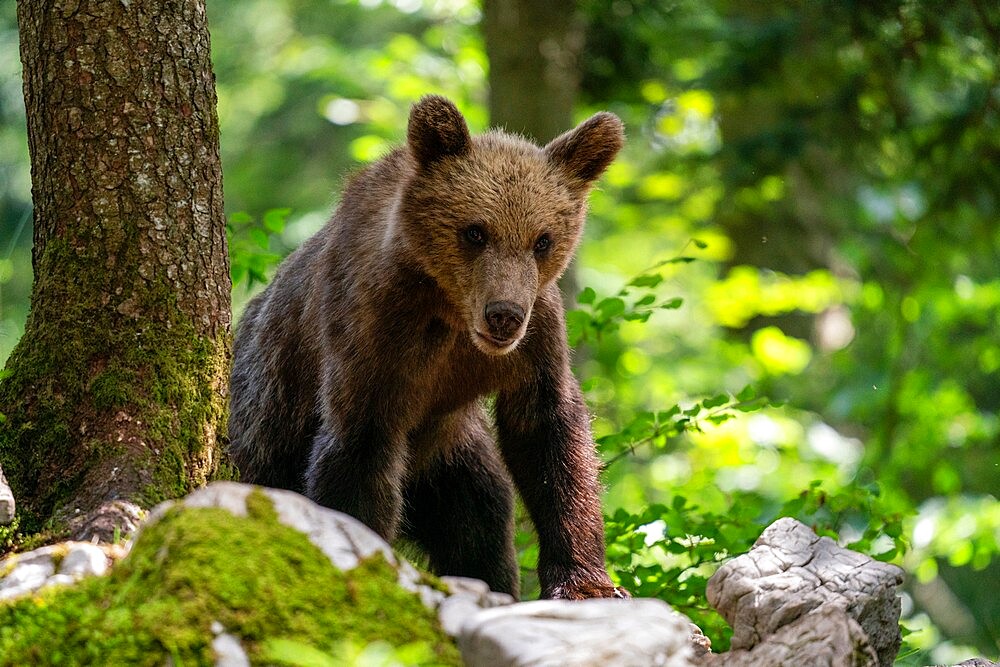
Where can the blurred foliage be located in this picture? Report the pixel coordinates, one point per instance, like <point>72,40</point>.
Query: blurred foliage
<point>292,653</point>
<point>791,298</point>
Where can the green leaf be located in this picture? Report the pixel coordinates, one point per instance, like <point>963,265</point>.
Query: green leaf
<point>274,219</point>
<point>649,280</point>
<point>256,275</point>
<point>746,394</point>
<point>720,418</point>
<point>577,323</point>
<point>260,237</point>
<point>673,304</point>
<point>715,401</point>
<point>751,406</point>
<point>587,295</point>
<point>699,243</point>
<point>665,415</point>
<point>646,300</point>
<point>886,556</point>
<point>292,652</point>
<point>673,260</point>
<point>610,307</point>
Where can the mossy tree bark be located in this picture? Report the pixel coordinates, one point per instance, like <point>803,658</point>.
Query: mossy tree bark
<point>115,397</point>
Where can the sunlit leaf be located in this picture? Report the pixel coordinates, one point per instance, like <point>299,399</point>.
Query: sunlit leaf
<point>648,280</point>
<point>274,219</point>
<point>610,307</point>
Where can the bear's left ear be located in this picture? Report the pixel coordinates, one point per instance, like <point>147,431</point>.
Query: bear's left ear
<point>585,152</point>
<point>436,130</point>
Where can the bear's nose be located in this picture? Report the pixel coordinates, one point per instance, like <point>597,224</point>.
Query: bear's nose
<point>504,318</point>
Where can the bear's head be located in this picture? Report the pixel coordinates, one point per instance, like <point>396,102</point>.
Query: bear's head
<point>495,219</point>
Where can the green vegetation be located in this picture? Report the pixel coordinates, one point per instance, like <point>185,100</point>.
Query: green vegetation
<point>266,584</point>
<point>789,300</point>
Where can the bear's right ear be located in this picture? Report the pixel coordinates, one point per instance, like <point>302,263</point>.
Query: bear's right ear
<point>436,130</point>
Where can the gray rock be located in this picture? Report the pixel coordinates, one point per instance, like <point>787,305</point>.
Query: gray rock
<point>587,633</point>
<point>7,506</point>
<point>825,637</point>
<point>59,580</point>
<point>477,588</point>
<point>491,630</point>
<point>457,610</point>
<point>229,652</point>
<point>83,559</point>
<point>27,572</point>
<point>467,598</point>
<point>342,538</point>
<point>31,571</point>
<point>791,573</point>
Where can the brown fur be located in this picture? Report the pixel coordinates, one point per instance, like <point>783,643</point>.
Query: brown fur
<point>359,373</point>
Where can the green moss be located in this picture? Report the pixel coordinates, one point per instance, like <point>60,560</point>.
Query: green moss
<point>260,507</point>
<point>83,373</point>
<point>110,389</point>
<point>262,581</point>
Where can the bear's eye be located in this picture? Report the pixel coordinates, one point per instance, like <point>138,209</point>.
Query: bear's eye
<point>543,243</point>
<point>475,234</point>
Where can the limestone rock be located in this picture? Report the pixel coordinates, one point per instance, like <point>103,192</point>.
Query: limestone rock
<point>790,575</point>
<point>6,501</point>
<point>228,650</point>
<point>583,633</point>
<point>467,597</point>
<point>825,637</point>
<point>342,538</point>
<point>56,565</point>
<point>26,573</point>
<point>255,566</point>
<point>83,559</point>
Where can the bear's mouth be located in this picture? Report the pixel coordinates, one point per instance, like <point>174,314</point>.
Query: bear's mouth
<point>493,345</point>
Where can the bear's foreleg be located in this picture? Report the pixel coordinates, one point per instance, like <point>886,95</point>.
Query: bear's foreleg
<point>545,438</point>
<point>460,506</point>
<point>360,473</point>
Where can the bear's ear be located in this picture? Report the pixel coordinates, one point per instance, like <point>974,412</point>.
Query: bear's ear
<point>436,130</point>
<point>585,152</point>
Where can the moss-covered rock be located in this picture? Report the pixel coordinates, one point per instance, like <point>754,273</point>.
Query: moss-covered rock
<point>195,567</point>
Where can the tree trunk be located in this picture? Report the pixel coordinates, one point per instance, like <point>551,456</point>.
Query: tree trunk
<point>115,397</point>
<point>534,49</point>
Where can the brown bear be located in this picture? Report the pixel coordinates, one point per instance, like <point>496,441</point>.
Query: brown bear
<point>361,374</point>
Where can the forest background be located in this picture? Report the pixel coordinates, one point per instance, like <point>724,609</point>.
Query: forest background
<point>788,298</point>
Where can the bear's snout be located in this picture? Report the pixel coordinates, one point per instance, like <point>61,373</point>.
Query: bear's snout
<point>503,318</point>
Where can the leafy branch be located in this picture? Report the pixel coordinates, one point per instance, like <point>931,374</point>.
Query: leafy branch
<point>635,302</point>
<point>250,242</point>
<point>659,428</point>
